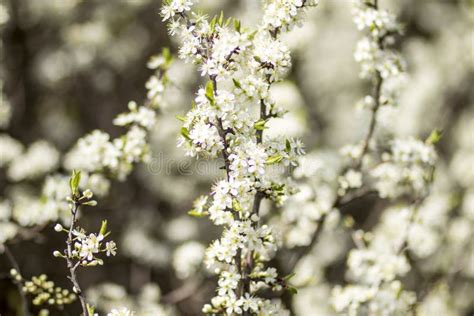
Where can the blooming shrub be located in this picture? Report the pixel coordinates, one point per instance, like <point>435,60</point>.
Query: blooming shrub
<point>244,183</point>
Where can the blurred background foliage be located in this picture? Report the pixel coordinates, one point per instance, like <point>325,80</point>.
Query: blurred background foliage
<point>72,65</point>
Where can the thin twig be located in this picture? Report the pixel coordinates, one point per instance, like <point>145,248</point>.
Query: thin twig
<point>373,119</point>
<point>376,92</point>
<point>249,262</point>
<point>14,263</point>
<point>183,292</point>
<point>70,264</point>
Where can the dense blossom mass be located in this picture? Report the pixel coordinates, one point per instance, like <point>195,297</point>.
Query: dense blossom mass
<point>372,215</point>
<point>405,168</point>
<point>228,119</point>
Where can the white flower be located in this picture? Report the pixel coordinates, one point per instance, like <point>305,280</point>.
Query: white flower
<point>228,118</point>
<point>406,169</point>
<point>350,180</point>
<point>111,248</point>
<point>9,149</point>
<point>8,230</point>
<point>142,116</point>
<point>249,303</point>
<point>187,259</point>
<point>233,306</point>
<point>87,246</point>
<point>175,6</point>
<point>40,158</point>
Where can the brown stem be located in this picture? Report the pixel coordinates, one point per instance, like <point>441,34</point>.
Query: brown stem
<point>14,263</point>
<point>185,291</point>
<point>70,264</point>
<point>373,119</point>
<point>249,262</point>
<point>376,92</point>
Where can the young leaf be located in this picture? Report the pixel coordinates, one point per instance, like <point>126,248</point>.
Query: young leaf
<point>273,159</point>
<point>434,137</point>
<point>181,118</point>
<point>236,83</point>
<point>236,205</point>
<point>195,213</point>
<point>213,23</point>
<point>287,146</point>
<point>167,55</point>
<point>74,182</point>
<point>260,125</point>
<point>90,309</point>
<point>293,290</point>
<point>289,276</point>
<point>221,19</point>
<point>103,228</point>
<point>210,91</point>
<point>237,25</point>
<point>185,133</point>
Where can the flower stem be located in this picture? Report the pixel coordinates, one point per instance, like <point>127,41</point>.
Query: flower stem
<point>70,264</point>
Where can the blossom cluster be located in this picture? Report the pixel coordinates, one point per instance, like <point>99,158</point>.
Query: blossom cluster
<point>84,247</point>
<point>376,59</point>
<point>44,291</point>
<point>333,181</point>
<point>97,153</point>
<point>406,169</point>
<point>316,177</point>
<point>114,298</point>
<point>99,156</point>
<point>228,119</point>
<point>39,159</point>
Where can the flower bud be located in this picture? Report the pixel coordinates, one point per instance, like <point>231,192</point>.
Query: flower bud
<point>88,194</point>
<point>90,203</point>
<point>58,227</point>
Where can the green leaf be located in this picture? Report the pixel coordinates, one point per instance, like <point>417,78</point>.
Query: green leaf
<point>185,133</point>
<point>237,25</point>
<point>236,205</point>
<point>181,118</point>
<point>212,25</point>
<point>221,19</point>
<point>274,159</point>
<point>287,146</point>
<point>103,228</point>
<point>167,55</point>
<point>237,83</point>
<point>195,213</point>
<point>434,137</point>
<point>260,125</point>
<point>90,309</point>
<point>210,91</point>
<point>289,276</point>
<point>293,290</point>
<point>74,182</point>
<point>252,35</point>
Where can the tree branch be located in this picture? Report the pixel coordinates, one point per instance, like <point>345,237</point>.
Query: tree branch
<point>70,264</point>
